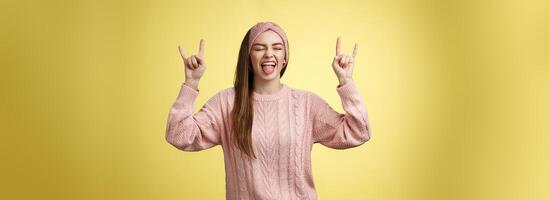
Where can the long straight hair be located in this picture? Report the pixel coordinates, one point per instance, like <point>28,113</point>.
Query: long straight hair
<point>243,111</point>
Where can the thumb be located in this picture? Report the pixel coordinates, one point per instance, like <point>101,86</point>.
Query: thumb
<point>337,58</point>
<point>200,60</point>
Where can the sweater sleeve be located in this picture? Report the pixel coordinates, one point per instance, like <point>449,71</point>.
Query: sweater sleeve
<point>194,132</point>
<point>341,131</point>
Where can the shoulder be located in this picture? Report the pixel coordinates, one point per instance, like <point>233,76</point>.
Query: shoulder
<point>308,100</point>
<point>227,92</point>
<point>225,95</point>
<point>305,95</point>
<point>220,96</point>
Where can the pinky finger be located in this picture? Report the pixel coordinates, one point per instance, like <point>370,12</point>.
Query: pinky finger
<point>195,62</point>
<point>345,61</point>
<point>188,64</point>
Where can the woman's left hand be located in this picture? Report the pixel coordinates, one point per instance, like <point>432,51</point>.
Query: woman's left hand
<point>343,64</point>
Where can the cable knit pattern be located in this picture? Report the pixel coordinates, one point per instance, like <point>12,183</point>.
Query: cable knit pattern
<point>298,145</point>
<point>286,125</point>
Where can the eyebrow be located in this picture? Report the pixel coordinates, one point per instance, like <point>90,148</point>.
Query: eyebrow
<point>261,44</point>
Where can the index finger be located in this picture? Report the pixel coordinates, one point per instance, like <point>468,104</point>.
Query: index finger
<point>355,51</point>
<point>338,46</point>
<point>201,48</point>
<point>182,53</point>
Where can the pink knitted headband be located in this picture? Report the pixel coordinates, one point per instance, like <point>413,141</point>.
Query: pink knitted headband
<point>264,26</point>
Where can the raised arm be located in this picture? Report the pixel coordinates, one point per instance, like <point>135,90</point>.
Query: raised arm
<point>194,132</point>
<point>199,131</point>
<point>337,130</point>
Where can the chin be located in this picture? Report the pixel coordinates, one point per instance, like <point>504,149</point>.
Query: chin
<point>269,77</point>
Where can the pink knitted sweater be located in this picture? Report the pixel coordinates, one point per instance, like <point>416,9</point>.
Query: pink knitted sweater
<point>285,127</point>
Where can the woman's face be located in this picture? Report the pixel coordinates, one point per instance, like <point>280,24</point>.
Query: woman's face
<point>267,56</point>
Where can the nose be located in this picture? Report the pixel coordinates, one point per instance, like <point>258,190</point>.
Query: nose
<point>269,53</point>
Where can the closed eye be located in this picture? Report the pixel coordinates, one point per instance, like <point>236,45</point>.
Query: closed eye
<point>261,49</point>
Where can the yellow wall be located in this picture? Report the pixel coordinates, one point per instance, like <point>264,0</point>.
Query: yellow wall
<point>457,94</point>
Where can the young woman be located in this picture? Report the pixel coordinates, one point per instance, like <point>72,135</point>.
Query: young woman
<point>266,129</point>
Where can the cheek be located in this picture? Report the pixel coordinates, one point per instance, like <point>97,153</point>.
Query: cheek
<point>254,58</point>
<point>279,53</point>
<point>280,57</point>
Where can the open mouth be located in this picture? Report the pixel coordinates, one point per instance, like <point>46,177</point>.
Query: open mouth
<point>268,67</point>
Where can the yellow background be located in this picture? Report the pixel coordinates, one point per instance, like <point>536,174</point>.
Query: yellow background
<point>457,95</point>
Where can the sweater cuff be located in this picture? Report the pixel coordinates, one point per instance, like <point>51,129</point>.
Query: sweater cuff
<point>348,89</point>
<point>187,95</point>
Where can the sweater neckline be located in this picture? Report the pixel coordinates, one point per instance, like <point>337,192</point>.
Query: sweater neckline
<point>269,97</point>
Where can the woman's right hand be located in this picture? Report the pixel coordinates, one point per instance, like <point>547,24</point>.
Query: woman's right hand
<point>194,65</point>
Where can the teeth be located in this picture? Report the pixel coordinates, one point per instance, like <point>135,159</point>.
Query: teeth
<point>268,63</point>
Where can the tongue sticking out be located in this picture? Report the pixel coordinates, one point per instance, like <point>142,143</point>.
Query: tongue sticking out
<point>268,69</point>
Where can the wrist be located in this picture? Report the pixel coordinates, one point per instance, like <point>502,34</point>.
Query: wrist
<point>343,81</point>
<point>192,83</point>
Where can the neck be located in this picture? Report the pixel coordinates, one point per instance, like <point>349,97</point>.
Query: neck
<point>267,87</point>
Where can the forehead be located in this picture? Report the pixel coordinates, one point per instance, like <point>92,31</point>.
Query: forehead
<point>268,37</point>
